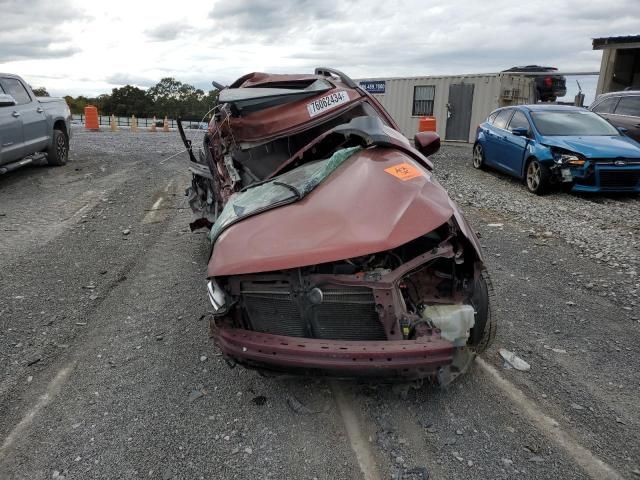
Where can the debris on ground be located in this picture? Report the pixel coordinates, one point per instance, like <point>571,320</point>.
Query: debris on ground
<point>33,361</point>
<point>416,473</point>
<point>513,361</point>
<point>299,407</point>
<point>197,393</point>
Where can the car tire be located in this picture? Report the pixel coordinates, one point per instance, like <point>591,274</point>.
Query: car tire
<point>478,156</point>
<point>537,177</point>
<point>484,330</point>
<point>58,152</point>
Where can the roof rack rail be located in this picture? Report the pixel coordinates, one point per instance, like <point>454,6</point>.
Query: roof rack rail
<point>327,72</point>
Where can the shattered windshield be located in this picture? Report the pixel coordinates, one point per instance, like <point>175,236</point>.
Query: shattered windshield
<point>284,189</point>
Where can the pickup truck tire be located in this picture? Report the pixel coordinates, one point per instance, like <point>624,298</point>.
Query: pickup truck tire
<point>58,152</point>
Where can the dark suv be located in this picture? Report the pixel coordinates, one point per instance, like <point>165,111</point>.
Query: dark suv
<point>621,109</point>
<point>548,87</point>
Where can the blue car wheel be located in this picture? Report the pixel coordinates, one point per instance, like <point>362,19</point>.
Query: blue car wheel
<point>478,156</point>
<point>538,177</point>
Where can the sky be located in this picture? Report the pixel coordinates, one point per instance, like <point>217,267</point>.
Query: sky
<point>82,47</point>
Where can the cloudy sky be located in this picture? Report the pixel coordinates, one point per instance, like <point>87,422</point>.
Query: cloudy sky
<point>79,47</point>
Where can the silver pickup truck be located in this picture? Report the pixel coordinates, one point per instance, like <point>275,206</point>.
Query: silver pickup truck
<point>31,126</point>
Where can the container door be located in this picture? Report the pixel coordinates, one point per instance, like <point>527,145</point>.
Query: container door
<point>459,111</point>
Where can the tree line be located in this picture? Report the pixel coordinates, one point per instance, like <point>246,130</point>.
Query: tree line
<point>168,97</point>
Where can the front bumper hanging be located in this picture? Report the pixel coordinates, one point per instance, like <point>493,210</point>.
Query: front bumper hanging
<point>410,358</point>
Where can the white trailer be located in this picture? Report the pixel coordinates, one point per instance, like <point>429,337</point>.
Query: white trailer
<point>458,102</point>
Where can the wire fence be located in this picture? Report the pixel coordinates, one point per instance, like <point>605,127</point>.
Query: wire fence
<point>142,122</point>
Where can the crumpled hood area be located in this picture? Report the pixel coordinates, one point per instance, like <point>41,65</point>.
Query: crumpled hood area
<point>596,146</point>
<point>281,190</point>
<point>378,199</point>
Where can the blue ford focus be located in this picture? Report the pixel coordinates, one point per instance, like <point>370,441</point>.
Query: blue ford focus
<point>547,145</point>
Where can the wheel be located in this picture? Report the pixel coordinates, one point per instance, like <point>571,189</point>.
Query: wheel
<point>484,329</point>
<point>538,177</point>
<point>58,152</point>
<point>478,156</point>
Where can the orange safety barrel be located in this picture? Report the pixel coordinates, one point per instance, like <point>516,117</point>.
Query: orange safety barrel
<point>427,124</point>
<point>91,118</point>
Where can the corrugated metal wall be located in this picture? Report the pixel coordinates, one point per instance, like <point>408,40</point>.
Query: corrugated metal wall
<point>488,95</point>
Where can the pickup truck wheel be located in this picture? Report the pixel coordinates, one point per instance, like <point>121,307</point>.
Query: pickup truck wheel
<point>484,329</point>
<point>58,152</point>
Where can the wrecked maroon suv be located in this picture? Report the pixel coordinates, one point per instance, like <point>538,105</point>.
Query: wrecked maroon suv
<point>334,249</point>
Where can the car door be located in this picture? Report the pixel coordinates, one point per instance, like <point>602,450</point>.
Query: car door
<point>606,108</point>
<point>10,134</point>
<point>31,113</point>
<point>497,141</point>
<point>493,134</point>
<point>627,115</point>
<point>515,145</point>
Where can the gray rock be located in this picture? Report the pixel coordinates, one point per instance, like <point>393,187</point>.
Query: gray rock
<point>196,394</point>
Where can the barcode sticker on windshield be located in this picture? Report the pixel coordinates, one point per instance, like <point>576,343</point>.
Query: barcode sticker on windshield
<point>327,102</point>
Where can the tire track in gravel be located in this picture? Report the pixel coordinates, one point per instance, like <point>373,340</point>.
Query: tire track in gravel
<point>30,224</point>
<point>82,263</point>
<point>131,410</point>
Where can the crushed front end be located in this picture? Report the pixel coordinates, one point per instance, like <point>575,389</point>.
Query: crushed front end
<point>418,310</point>
<point>334,249</point>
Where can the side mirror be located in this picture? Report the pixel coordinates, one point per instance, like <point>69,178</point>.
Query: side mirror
<point>7,100</point>
<point>520,131</point>
<point>427,143</point>
<point>623,130</point>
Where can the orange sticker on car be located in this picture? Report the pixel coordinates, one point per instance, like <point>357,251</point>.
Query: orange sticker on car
<point>404,171</point>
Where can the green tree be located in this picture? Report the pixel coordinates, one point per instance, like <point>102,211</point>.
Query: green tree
<point>168,97</point>
<point>76,105</point>
<point>128,100</point>
<point>40,92</point>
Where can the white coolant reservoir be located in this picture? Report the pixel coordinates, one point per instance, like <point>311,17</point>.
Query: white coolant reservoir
<point>454,321</point>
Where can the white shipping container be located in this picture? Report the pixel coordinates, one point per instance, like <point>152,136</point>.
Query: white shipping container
<point>459,102</point>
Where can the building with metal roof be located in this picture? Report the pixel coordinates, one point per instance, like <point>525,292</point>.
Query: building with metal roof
<point>620,65</point>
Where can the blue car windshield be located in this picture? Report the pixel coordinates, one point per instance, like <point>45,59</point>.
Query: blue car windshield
<point>570,124</point>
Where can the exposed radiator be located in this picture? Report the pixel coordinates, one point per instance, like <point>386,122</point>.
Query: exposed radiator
<point>346,313</point>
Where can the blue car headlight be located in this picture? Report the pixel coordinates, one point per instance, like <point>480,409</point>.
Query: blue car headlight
<point>568,159</point>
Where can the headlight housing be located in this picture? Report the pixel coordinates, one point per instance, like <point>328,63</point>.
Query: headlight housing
<point>567,159</point>
<point>217,297</point>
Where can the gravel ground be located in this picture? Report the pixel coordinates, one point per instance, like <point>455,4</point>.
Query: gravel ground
<point>603,228</point>
<point>106,370</point>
